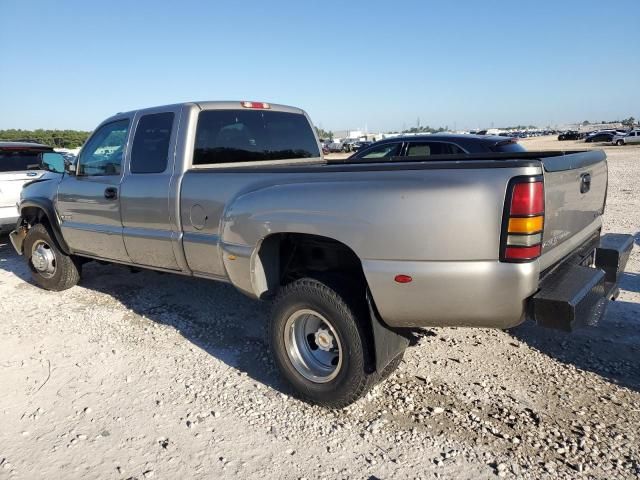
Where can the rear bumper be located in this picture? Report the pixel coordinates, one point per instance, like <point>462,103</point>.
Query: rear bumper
<point>574,294</point>
<point>488,294</point>
<point>492,294</point>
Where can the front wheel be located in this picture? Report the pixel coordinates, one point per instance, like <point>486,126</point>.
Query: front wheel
<point>319,343</point>
<point>50,268</point>
<point>620,143</point>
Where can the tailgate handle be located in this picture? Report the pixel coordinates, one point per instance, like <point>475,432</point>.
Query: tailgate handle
<point>585,182</point>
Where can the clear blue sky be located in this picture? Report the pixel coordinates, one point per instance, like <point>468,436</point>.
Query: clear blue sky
<point>71,63</point>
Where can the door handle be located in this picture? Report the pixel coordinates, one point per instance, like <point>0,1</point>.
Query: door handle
<point>110,193</point>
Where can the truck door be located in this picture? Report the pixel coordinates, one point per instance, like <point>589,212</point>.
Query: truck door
<point>88,202</point>
<point>148,204</point>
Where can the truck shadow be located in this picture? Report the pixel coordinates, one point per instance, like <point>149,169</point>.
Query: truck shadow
<point>211,315</point>
<point>609,349</point>
<point>232,328</point>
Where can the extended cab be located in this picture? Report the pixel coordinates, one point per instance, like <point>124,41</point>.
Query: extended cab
<point>352,252</point>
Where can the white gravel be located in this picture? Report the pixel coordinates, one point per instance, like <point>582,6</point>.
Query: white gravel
<point>155,376</point>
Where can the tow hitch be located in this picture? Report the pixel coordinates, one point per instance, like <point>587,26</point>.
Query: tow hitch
<point>576,295</point>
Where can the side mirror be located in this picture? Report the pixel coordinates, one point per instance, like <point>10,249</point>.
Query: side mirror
<point>52,162</point>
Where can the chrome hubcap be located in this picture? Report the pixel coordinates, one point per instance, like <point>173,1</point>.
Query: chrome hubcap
<point>43,259</point>
<point>312,345</point>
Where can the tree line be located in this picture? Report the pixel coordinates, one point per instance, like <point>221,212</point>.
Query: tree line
<point>53,138</point>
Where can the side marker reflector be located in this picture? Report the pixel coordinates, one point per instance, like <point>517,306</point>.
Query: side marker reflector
<point>403,279</point>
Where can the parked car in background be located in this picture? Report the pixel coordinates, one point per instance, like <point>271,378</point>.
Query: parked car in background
<point>603,136</point>
<point>627,138</point>
<point>357,146</point>
<point>438,144</point>
<point>19,163</point>
<point>569,135</point>
<point>349,145</point>
<point>334,147</point>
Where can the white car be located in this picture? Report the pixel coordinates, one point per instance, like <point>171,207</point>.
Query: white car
<point>19,163</point>
<point>628,138</point>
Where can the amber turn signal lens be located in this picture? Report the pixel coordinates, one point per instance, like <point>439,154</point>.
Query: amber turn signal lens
<point>526,225</point>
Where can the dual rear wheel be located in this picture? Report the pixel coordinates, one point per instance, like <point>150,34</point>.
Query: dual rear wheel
<point>322,343</point>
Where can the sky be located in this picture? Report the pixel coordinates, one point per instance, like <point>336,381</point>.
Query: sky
<point>69,64</point>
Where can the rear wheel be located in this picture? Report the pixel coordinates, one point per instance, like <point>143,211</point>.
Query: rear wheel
<point>319,343</point>
<point>50,268</point>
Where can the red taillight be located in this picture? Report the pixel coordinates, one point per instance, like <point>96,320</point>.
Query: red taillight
<point>522,253</point>
<point>523,220</point>
<point>258,105</point>
<point>527,199</point>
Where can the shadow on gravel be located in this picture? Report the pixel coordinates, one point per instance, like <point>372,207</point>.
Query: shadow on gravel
<point>211,315</point>
<point>231,327</point>
<point>610,349</point>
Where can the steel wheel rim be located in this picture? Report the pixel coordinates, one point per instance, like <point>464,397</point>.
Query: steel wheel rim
<point>313,346</point>
<point>43,259</point>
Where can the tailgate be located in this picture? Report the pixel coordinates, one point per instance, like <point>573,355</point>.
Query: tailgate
<point>575,191</point>
<point>11,185</point>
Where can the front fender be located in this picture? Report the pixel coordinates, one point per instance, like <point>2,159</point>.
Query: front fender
<point>44,208</point>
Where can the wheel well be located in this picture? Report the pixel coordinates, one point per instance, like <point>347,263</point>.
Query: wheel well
<point>33,215</point>
<point>285,257</point>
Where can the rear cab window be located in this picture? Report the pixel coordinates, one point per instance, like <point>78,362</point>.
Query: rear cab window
<point>241,136</point>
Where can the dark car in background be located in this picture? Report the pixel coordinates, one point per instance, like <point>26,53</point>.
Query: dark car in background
<point>569,135</point>
<point>357,146</point>
<point>600,137</point>
<point>444,144</point>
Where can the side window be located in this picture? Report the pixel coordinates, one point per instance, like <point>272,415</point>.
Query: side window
<point>150,151</point>
<point>425,149</point>
<point>383,151</point>
<point>102,155</point>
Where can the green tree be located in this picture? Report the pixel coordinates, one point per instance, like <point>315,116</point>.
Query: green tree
<point>324,134</point>
<point>54,138</point>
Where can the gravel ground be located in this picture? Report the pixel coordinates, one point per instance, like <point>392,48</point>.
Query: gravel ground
<point>155,376</point>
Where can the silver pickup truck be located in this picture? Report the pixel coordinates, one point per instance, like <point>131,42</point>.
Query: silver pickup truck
<point>353,253</point>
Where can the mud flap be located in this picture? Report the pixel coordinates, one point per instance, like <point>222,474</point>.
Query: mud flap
<point>388,343</point>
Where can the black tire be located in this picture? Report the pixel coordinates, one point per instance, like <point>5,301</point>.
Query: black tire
<point>348,317</point>
<point>67,269</point>
<point>620,143</point>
